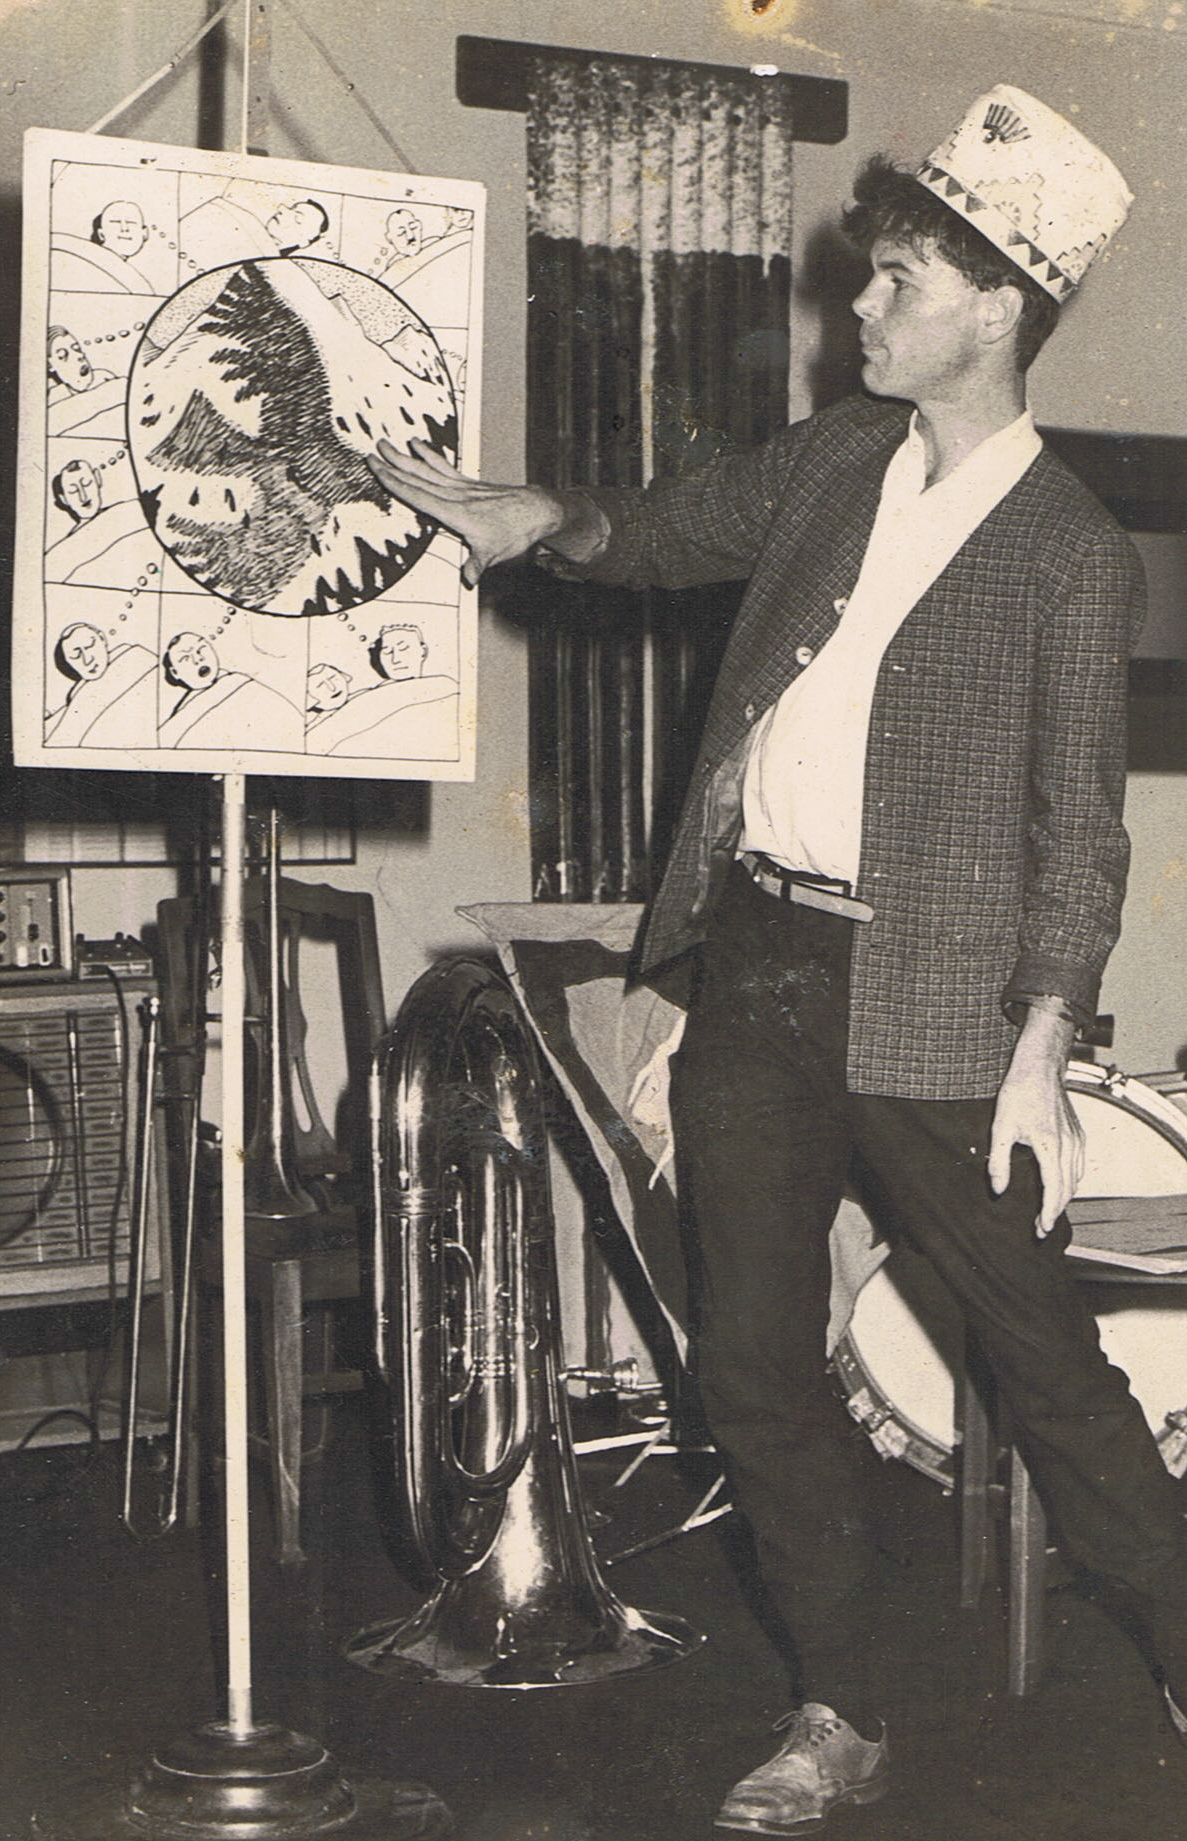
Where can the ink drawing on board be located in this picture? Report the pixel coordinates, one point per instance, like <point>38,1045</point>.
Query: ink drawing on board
<point>210,576</point>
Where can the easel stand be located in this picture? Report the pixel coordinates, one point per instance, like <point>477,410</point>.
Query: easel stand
<point>236,1780</point>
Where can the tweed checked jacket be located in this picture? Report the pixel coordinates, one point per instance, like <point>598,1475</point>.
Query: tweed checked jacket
<point>993,851</point>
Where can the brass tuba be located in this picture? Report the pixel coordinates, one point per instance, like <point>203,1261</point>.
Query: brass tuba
<point>465,1322</point>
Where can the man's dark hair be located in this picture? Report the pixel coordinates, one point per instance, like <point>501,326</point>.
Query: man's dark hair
<point>888,202</point>
<point>97,227</point>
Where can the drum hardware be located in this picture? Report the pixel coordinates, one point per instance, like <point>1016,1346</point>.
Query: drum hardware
<point>465,1371</point>
<point>898,1360</point>
<point>622,1378</point>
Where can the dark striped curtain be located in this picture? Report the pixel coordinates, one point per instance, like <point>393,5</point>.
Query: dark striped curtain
<point>659,287</point>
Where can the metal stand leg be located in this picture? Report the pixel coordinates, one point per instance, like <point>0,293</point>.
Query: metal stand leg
<point>1028,1571</point>
<point>976,1462</point>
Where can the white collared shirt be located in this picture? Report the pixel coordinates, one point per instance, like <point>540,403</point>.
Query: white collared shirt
<point>805,771</point>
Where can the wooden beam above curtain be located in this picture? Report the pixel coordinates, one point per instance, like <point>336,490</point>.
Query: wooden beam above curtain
<point>498,73</point>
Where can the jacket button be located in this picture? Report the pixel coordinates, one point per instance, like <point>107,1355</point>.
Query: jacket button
<point>750,712</point>
<point>840,604</point>
<point>804,655</point>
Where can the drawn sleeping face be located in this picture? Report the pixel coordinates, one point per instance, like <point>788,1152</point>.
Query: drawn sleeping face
<point>404,232</point>
<point>120,227</point>
<point>326,689</point>
<point>296,226</point>
<point>191,661</point>
<point>401,652</point>
<point>79,489</point>
<point>67,362</point>
<point>83,650</point>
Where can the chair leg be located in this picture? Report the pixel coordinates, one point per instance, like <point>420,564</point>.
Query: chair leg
<point>315,1424</point>
<point>976,1463</point>
<point>283,1374</point>
<point>1028,1571</point>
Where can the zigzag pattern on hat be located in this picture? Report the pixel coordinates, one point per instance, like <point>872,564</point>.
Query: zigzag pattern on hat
<point>962,199</point>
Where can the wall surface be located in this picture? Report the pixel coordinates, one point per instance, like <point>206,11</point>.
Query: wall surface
<point>1119,69</point>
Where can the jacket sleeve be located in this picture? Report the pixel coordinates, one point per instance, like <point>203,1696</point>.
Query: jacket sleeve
<point>707,526</point>
<point>1078,850</point>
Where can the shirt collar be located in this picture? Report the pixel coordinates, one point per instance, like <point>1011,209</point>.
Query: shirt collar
<point>1002,457</point>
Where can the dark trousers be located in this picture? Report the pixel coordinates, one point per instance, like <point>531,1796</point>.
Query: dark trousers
<point>765,1130</point>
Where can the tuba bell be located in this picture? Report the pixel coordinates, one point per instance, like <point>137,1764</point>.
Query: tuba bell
<point>465,1339</point>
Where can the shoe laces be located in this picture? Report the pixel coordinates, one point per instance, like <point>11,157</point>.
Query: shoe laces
<point>818,1730</point>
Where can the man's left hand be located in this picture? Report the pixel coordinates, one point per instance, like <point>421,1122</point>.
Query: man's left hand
<point>1033,1109</point>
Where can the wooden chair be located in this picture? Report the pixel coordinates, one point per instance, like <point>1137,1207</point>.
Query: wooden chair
<point>293,1265</point>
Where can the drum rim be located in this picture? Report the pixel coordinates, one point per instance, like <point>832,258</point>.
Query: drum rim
<point>849,1366</point>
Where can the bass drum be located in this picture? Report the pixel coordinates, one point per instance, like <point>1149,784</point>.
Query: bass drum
<point>904,1343</point>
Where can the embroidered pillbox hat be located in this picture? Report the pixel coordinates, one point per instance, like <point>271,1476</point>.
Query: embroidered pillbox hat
<point>1033,185</point>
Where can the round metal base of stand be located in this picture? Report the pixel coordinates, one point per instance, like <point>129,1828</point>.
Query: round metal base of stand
<point>423,1649</point>
<point>271,1785</point>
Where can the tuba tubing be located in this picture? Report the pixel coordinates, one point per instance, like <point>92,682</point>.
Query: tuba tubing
<point>467,1026</point>
<point>465,1359</point>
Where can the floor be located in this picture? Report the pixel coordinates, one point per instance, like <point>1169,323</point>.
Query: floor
<point>107,1649</point>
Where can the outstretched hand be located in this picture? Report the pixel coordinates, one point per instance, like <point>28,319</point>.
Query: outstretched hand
<point>496,523</point>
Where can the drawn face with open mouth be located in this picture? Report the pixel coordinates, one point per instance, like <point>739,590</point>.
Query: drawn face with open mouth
<point>68,363</point>
<point>191,661</point>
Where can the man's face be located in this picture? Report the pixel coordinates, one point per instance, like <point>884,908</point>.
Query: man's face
<point>920,321</point>
<point>192,660</point>
<point>68,363</point>
<point>81,488</point>
<point>402,654</point>
<point>404,232</point>
<point>296,226</point>
<point>122,228</point>
<point>326,689</point>
<point>85,651</point>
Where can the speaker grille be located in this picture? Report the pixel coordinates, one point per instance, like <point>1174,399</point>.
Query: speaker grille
<point>64,1202</point>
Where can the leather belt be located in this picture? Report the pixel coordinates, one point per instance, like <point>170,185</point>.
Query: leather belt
<point>806,890</point>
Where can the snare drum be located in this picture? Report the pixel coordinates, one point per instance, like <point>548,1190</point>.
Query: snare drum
<point>905,1341</point>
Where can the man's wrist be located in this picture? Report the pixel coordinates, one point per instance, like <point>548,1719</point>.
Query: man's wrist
<point>574,528</point>
<point>1046,1037</point>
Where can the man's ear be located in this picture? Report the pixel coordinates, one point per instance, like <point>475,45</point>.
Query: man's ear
<point>1001,310</point>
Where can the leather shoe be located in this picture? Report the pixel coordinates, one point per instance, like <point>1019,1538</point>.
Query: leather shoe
<point>821,1764</point>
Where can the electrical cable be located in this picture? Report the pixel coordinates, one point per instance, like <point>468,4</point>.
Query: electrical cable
<point>191,44</point>
<point>104,122</point>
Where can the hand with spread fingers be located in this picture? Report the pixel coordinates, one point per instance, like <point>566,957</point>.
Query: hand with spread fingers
<point>497,523</point>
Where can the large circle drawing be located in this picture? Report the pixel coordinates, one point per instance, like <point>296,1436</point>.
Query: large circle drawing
<point>257,393</point>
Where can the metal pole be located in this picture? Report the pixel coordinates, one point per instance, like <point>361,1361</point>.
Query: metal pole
<point>257,63</point>
<point>239,1708</point>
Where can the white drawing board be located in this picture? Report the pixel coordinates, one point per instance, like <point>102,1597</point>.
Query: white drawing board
<point>209,576</point>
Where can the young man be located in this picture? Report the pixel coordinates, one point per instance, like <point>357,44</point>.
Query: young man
<point>901,866</point>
